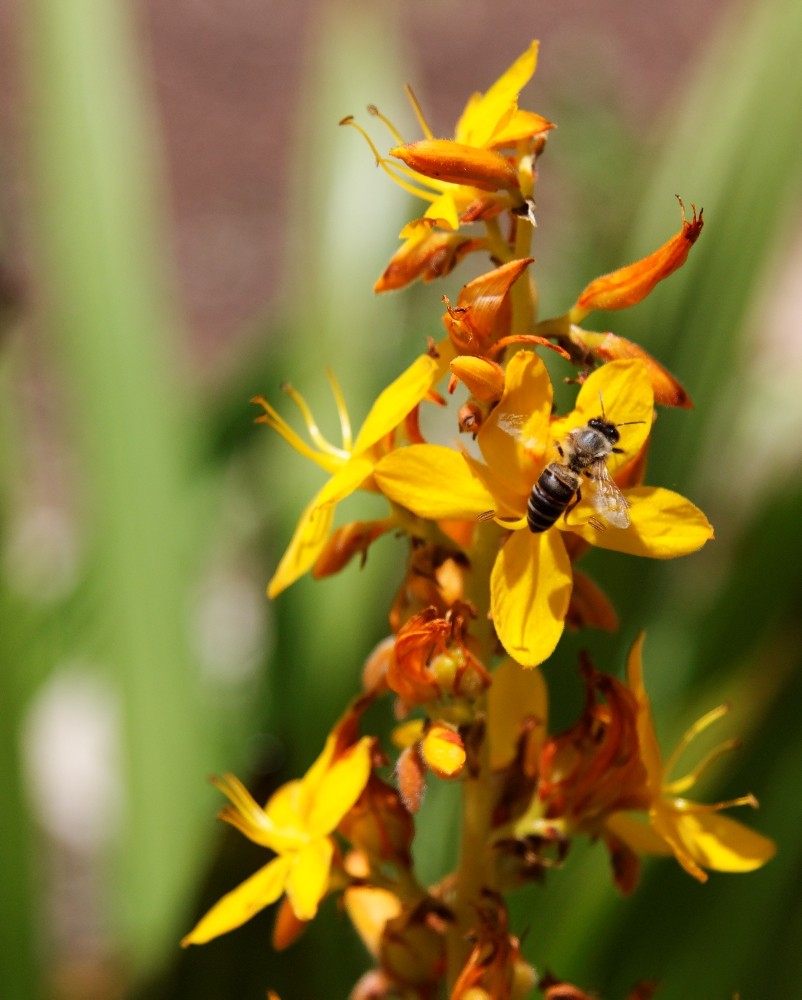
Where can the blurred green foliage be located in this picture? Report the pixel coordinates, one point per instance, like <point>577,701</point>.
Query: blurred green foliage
<point>171,489</point>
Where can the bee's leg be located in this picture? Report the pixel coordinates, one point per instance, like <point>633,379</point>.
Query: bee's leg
<point>572,504</point>
<point>594,522</point>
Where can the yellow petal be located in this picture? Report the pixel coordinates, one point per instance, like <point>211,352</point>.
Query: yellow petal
<point>285,810</point>
<point>515,697</point>
<point>308,877</point>
<point>719,843</point>
<point>340,787</point>
<point>239,905</point>
<point>484,378</point>
<point>443,211</point>
<point>397,400</point>
<point>623,389</point>
<point>664,525</point>
<point>407,733</point>
<point>515,438</point>
<point>530,588</point>
<point>637,834</point>
<point>647,738</point>
<point>432,481</point>
<point>505,503</point>
<point>522,125</point>
<point>310,783</point>
<point>369,909</point>
<point>314,527</point>
<point>488,113</point>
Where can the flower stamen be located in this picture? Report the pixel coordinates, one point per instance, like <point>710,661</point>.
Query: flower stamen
<point>373,110</point>
<point>327,461</point>
<point>311,425</point>
<point>680,785</point>
<point>690,735</point>
<point>342,412</point>
<point>413,100</point>
<point>397,172</point>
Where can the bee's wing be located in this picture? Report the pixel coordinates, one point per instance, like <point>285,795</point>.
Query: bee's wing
<point>606,498</point>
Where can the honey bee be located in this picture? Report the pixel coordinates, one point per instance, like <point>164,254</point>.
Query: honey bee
<point>583,457</point>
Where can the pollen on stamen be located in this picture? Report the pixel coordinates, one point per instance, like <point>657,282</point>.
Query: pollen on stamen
<point>374,111</point>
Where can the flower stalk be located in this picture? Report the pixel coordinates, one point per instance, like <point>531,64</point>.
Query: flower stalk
<point>493,519</point>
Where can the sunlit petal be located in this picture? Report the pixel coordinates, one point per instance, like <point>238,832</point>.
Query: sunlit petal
<point>308,877</point>
<point>516,696</point>
<point>487,113</point>
<point>239,905</point>
<point>719,843</point>
<point>340,787</point>
<point>515,439</point>
<point>638,834</point>
<point>530,588</point>
<point>433,482</point>
<point>623,389</point>
<point>664,525</point>
<point>314,526</point>
<point>396,401</point>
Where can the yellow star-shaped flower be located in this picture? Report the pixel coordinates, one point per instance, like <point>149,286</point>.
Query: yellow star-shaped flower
<point>696,833</point>
<point>349,465</point>
<point>466,178</point>
<point>531,581</point>
<point>296,824</point>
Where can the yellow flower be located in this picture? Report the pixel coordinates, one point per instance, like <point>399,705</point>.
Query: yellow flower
<point>466,178</point>
<point>531,581</point>
<point>697,834</point>
<point>350,465</point>
<point>296,824</point>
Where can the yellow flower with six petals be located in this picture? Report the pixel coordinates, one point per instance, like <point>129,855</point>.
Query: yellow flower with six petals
<point>296,824</point>
<point>531,581</point>
<point>697,834</point>
<point>466,178</point>
<point>349,465</point>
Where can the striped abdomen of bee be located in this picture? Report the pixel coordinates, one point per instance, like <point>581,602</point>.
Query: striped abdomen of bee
<point>552,493</point>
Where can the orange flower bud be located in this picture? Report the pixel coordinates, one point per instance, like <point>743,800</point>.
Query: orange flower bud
<point>287,928</point>
<point>446,160</point>
<point>481,315</point>
<point>344,544</point>
<point>428,254</point>
<point>610,347</point>
<point>443,750</point>
<point>484,378</point>
<point>590,606</point>
<point>628,285</point>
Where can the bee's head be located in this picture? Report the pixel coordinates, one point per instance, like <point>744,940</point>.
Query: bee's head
<point>603,426</point>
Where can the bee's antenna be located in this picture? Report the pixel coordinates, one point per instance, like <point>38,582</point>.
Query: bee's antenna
<point>625,423</point>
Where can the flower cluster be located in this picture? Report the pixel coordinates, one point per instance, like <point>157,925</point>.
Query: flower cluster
<point>496,517</point>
